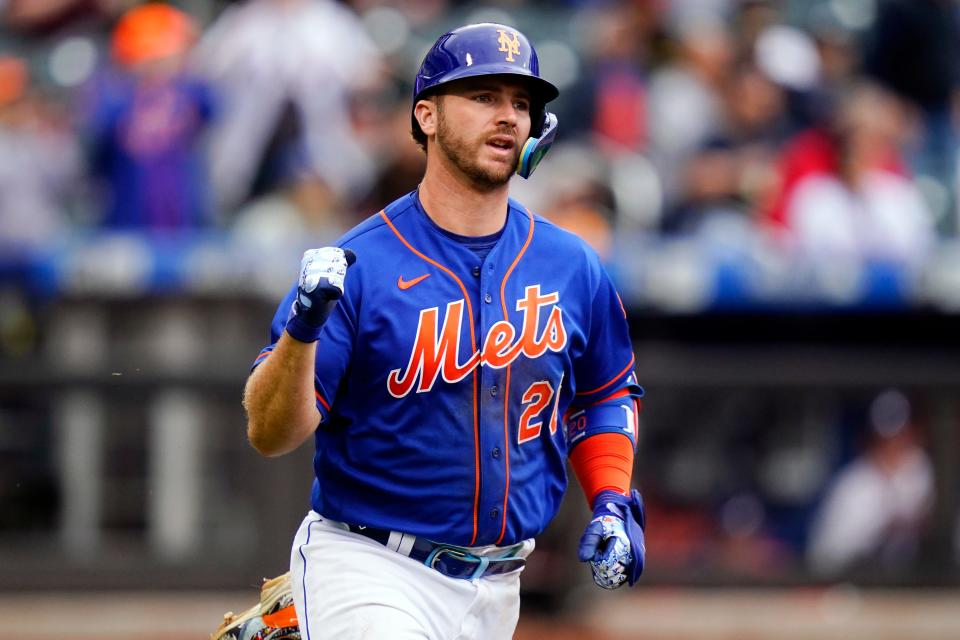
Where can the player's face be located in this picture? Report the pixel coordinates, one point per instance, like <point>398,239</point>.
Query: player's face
<point>482,124</point>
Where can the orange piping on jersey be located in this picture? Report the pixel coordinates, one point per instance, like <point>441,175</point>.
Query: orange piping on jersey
<point>614,379</point>
<point>622,308</point>
<point>322,401</point>
<point>613,396</point>
<point>506,391</point>
<point>473,344</point>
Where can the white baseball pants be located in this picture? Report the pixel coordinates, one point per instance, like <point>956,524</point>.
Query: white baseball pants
<point>349,587</point>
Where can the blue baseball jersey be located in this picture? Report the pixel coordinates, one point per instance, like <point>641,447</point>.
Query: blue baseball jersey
<point>452,387</point>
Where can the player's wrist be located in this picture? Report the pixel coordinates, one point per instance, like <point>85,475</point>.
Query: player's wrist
<point>301,330</point>
<point>609,495</point>
<point>317,312</point>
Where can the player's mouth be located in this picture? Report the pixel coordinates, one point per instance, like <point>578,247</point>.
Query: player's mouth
<point>502,145</point>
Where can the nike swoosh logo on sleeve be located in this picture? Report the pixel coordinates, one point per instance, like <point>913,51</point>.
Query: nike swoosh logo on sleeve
<point>406,284</point>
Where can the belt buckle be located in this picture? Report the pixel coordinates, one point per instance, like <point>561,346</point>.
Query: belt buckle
<point>461,555</point>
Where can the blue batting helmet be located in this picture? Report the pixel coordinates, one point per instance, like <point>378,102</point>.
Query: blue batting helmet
<point>487,49</point>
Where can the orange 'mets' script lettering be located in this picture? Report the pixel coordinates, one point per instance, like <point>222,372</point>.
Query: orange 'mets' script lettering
<point>436,346</point>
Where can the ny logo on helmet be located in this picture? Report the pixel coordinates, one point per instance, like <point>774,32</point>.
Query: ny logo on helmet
<point>509,46</point>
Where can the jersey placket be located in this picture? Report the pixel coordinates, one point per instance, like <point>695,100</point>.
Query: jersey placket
<point>493,450</point>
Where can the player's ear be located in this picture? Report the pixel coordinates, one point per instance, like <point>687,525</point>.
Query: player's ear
<point>426,114</point>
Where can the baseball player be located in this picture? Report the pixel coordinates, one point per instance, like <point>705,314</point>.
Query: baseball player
<point>448,356</point>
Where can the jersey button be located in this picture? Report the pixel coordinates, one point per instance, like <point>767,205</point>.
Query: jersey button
<point>493,390</point>
<point>476,272</point>
<point>494,513</point>
<point>488,298</point>
<point>496,453</point>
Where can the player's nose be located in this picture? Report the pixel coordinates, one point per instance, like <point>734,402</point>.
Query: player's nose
<point>507,113</point>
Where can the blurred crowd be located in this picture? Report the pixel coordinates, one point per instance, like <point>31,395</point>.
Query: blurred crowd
<point>825,486</point>
<point>826,127</point>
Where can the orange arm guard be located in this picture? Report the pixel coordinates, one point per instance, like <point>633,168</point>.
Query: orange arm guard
<point>603,461</point>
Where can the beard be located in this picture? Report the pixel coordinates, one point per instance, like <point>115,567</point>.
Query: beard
<point>465,155</point>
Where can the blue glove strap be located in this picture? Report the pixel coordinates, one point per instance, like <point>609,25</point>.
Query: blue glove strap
<point>635,525</point>
<point>301,330</point>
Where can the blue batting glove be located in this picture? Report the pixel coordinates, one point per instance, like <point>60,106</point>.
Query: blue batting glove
<point>613,541</point>
<point>322,272</point>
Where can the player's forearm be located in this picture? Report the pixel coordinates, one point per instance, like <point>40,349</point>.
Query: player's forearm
<point>603,462</point>
<point>279,398</point>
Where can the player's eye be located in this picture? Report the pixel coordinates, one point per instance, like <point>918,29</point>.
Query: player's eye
<point>483,97</point>
<point>521,105</point>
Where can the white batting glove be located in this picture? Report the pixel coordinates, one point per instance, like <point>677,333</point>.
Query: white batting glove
<point>322,274</point>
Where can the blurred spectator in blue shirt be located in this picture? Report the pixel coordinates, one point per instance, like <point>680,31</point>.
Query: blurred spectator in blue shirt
<point>39,164</point>
<point>146,125</point>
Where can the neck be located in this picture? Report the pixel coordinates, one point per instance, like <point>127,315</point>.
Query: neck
<point>456,204</point>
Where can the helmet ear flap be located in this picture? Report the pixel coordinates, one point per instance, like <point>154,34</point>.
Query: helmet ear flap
<point>535,148</point>
<point>538,120</point>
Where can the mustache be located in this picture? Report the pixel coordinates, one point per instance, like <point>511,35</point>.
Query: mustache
<point>503,132</point>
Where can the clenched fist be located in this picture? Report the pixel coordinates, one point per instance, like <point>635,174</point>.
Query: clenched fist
<point>613,542</point>
<point>322,274</point>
